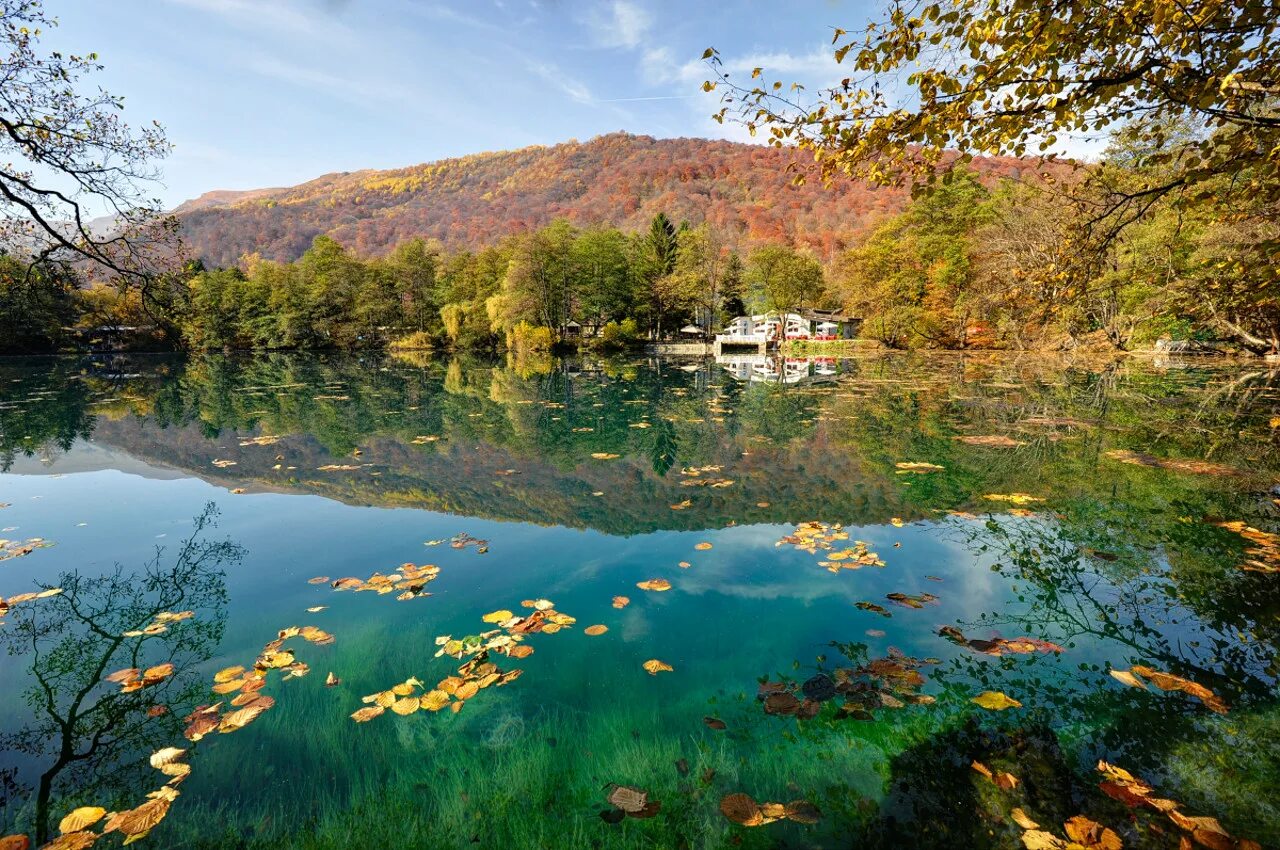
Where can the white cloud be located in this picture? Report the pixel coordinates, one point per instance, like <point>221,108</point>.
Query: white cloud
<point>621,24</point>
<point>350,89</point>
<point>818,63</point>
<point>252,14</point>
<point>576,90</point>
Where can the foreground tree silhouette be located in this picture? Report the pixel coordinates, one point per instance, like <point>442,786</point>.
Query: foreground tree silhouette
<point>68,158</point>
<point>85,735</point>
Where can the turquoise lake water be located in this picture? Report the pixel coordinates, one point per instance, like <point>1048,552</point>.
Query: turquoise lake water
<point>1084,508</point>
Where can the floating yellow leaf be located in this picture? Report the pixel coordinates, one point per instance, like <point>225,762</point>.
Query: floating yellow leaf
<point>1128,678</point>
<point>227,674</point>
<point>595,630</point>
<point>654,584</point>
<point>996,701</point>
<point>1012,498</point>
<point>82,817</point>
<point>498,616</point>
<point>654,666</point>
<point>364,715</point>
<point>703,546</point>
<point>621,602</point>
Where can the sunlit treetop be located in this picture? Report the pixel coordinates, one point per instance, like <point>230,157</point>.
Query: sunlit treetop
<point>1017,77</point>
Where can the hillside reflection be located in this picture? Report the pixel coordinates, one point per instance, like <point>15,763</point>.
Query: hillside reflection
<point>535,442</point>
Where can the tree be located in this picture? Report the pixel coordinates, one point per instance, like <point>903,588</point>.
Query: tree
<point>701,258</point>
<point>539,283</point>
<point>69,157</point>
<point>780,279</point>
<point>1197,83</point>
<point>911,280</point>
<point>662,244</point>
<point>35,305</point>
<point>604,275</point>
<point>1009,77</point>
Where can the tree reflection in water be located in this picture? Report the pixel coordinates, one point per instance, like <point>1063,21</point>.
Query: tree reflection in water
<point>87,741</point>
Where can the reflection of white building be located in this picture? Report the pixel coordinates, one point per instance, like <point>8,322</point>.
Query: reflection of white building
<point>762,369</point>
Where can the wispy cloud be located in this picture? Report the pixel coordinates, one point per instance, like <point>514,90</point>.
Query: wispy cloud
<point>817,63</point>
<point>277,14</point>
<point>352,90</point>
<point>576,90</point>
<point>620,24</point>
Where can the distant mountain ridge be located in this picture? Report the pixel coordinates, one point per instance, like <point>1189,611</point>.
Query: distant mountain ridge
<point>617,179</point>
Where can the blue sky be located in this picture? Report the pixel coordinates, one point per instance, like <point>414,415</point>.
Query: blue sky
<point>274,92</point>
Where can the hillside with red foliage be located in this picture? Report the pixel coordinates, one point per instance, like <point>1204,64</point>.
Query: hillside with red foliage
<point>747,191</point>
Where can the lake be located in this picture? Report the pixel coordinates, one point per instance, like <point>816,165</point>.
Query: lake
<point>898,600</point>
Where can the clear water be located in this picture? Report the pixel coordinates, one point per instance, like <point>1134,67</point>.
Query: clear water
<point>1122,564</point>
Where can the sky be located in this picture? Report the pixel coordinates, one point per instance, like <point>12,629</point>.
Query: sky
<point>256,93</point>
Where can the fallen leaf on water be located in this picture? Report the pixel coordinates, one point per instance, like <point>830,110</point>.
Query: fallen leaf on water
<point>654,584</point>
<point>653,666</point>
<point>1012,498</point>
<point>627,798</point>
<point>1264,555</point>
<point>917,468</point>
<point>331,680</point>
<point>629,802</point>
<point>364,715</point>
<point>998,646</point>
<point>703,546</point>
<point>605,456</point>
<point>1021,819</point>
<point>995,701</point>
<point>873,608</point>
<point>998,441</point>
<point>316,609</point>
<point>1128,678</point>
<point>242,717</point>
<point>621,602</point>
<point>741,809</point>
<point>15,842</point>
<point>1199,467</point>
<point>1091,834</point>
<point>745,811</point>
<point>1170,682</point>
<point>595,630</point>
<point>318,580</point>
<point>497,616</point>
<point>83,817</point>
<point>715,723</point>
<point>137,822</point>
<point>896,522</point>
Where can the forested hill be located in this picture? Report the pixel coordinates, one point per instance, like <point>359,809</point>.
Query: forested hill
<point>619,179</point>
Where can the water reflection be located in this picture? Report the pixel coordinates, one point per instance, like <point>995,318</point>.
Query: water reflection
<point>997,491</point>
<point>84,739</point>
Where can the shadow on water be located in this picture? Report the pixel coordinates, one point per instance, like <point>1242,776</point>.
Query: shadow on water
<point>85,736</point>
